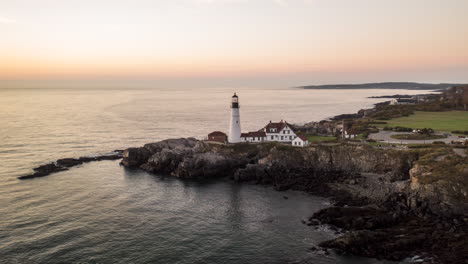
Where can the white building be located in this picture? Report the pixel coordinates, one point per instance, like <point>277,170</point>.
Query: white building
<point>272,132</point>
<point>300,141</point>
<point>254,137</point>
<point>279,132</point>
<point>350,134</point>
<point>234,127</point>
<point>403,101</point>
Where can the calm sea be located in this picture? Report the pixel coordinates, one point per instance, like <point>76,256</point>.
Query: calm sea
<point>103,213</point>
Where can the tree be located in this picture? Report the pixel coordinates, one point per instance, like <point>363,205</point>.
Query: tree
<point>464,97</point>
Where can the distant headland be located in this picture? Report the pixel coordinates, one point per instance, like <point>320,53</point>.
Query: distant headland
<point>384,85</point>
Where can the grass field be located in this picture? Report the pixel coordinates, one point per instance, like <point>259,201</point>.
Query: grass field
<point>320,138</point>
<point>439,121</point>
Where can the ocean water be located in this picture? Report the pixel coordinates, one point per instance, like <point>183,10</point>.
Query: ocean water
<point>103,213</point>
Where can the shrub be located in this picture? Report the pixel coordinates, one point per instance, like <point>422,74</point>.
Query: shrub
<point>438,142</point>
<point>377,123</point>
<point>402,129</point>
<point>426,131</point>
<point>416,136</point>
<point>387,128</point>
<point>460,132</point>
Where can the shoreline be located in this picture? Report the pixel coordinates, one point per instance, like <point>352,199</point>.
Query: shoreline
<point>375,195</point>
<point>377,199</point>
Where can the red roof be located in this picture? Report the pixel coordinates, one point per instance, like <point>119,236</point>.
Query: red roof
<point>278,126</point>
<point>254,134</point>
<point>352,131</point>
<point>217,134</point>
<point>302,137</point>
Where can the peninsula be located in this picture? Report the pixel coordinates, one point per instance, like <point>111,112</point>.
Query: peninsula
<point>384,85</point>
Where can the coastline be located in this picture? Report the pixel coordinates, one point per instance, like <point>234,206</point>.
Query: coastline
<point>377,198</point>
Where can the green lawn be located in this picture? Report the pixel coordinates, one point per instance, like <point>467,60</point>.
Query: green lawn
<point>320,138</point>
<point>439,121</point>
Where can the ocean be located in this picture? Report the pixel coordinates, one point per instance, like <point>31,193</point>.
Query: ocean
<point>103,213</point>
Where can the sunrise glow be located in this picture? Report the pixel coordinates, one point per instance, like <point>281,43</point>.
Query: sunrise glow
<point>232,38</point>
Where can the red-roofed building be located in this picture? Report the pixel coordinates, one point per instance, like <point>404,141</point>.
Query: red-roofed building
<point>218,136</point>
<point>258,136</point>
<point>280,132</point>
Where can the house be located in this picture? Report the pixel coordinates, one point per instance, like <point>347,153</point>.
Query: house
<point>351,133</point>
<point>258,136</point>
<point>300,141</point>
<point>218,136</point>
<point>279,132</point>
<point>403,101</point>
<point>272,132</point>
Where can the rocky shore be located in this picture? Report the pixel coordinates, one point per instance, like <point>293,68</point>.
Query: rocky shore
<point>392,204</point>
<point>384,199</point>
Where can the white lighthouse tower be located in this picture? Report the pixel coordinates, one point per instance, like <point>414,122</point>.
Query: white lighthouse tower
<point>234,128</point>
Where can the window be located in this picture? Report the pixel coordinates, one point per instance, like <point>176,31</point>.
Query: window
<point>281,137</point>
<point>272,137</point>
<point>290,137</point>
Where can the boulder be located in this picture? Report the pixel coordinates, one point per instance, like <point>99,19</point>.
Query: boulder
<point>135,157</point>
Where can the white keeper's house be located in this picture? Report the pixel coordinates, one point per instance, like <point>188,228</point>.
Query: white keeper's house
<point>277,132</point>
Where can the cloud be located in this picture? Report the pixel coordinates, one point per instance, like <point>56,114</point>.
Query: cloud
<point>4,20</point>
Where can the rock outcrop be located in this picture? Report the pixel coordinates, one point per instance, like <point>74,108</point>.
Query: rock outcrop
<point>66,163</point>
<point>183,158</point>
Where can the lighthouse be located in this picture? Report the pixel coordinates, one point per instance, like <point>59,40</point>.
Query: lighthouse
<point>234,128</point>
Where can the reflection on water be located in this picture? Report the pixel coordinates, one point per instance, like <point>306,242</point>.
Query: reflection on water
<point>102,213</point>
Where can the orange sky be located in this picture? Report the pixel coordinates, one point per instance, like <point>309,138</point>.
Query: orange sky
<point>213,38</point>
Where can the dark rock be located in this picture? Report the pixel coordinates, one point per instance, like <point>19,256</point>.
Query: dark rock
<point>69,162</point>
<point>313,222</point>
<point>43,170</point>
<point>65,164</point>
<point>135,157</point>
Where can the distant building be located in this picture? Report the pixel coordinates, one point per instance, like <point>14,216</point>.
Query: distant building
<point>300,141</point>
<point>351,133</point>
<point>403,101</point>
<point>218,136</point>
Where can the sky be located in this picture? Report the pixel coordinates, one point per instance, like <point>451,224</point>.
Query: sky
<point>234,42</point>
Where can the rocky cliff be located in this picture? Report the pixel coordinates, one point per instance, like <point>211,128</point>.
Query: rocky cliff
<point>396,202</point>
<point>361,171</point>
